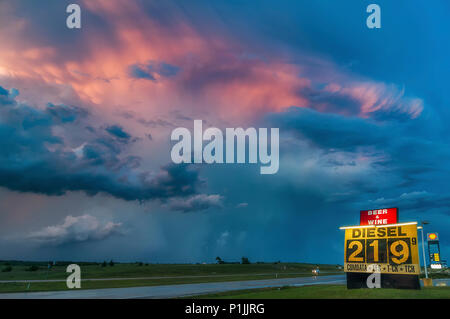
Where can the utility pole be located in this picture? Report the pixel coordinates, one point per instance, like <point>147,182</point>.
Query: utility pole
<point>423,249</point>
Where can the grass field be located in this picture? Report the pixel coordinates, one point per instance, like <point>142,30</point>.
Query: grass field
<point>331,292</point>
<point>151,274</point>
<point>125,275</point>
<point>19,272</point>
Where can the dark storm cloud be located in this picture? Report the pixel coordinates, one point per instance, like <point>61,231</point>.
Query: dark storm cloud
<point>330,130</point>
<point>34,159</point>
<point>149,70</point>
<point>165,69</point>
<point>332,102</point>
<point>139,72</point>
<point>417,200</point>
<point>412,146</point>
<point>118,132</point>
<point>65,114</point>
<point>386,156</point>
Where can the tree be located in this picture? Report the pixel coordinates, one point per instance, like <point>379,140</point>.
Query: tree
<point>219,260</point>
<point>7,269</point>
<point>111,263</point>
<point>104,264</point>
<point>32,268</point>
<point>245,260</point>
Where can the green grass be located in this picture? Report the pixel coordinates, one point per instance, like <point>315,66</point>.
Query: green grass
<point>331,292</point>
<point>199,273</point>
<point>437,275</point>
<point>157,270</point>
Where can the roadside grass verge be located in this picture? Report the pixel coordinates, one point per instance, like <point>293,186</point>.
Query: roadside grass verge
<point>330,292</point>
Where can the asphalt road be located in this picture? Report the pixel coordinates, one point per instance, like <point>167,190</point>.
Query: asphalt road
<point>172,291</point>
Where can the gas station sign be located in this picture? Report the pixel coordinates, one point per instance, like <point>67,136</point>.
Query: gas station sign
<point>434,250</point>
<point>433,236</point>
<point>390,249</point>
<point>385,216</point>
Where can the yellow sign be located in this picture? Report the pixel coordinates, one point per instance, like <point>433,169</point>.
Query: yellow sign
<point>388,249</point>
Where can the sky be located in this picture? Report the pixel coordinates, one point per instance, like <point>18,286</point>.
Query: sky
<point>86,117</point>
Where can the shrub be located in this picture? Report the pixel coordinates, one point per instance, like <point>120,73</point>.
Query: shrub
<point>7,269</point>
<point>32,268</point>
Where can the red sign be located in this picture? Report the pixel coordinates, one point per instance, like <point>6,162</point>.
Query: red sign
<point>382,216</point>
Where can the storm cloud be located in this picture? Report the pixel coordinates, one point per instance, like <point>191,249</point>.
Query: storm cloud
<point>196,203</point>
<point>368,128</point>
<point>152,70</point>
<point>76,229</point>
<point>34,159</point>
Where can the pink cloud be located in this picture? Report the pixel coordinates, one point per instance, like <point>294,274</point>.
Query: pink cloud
<point>215,76</point>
